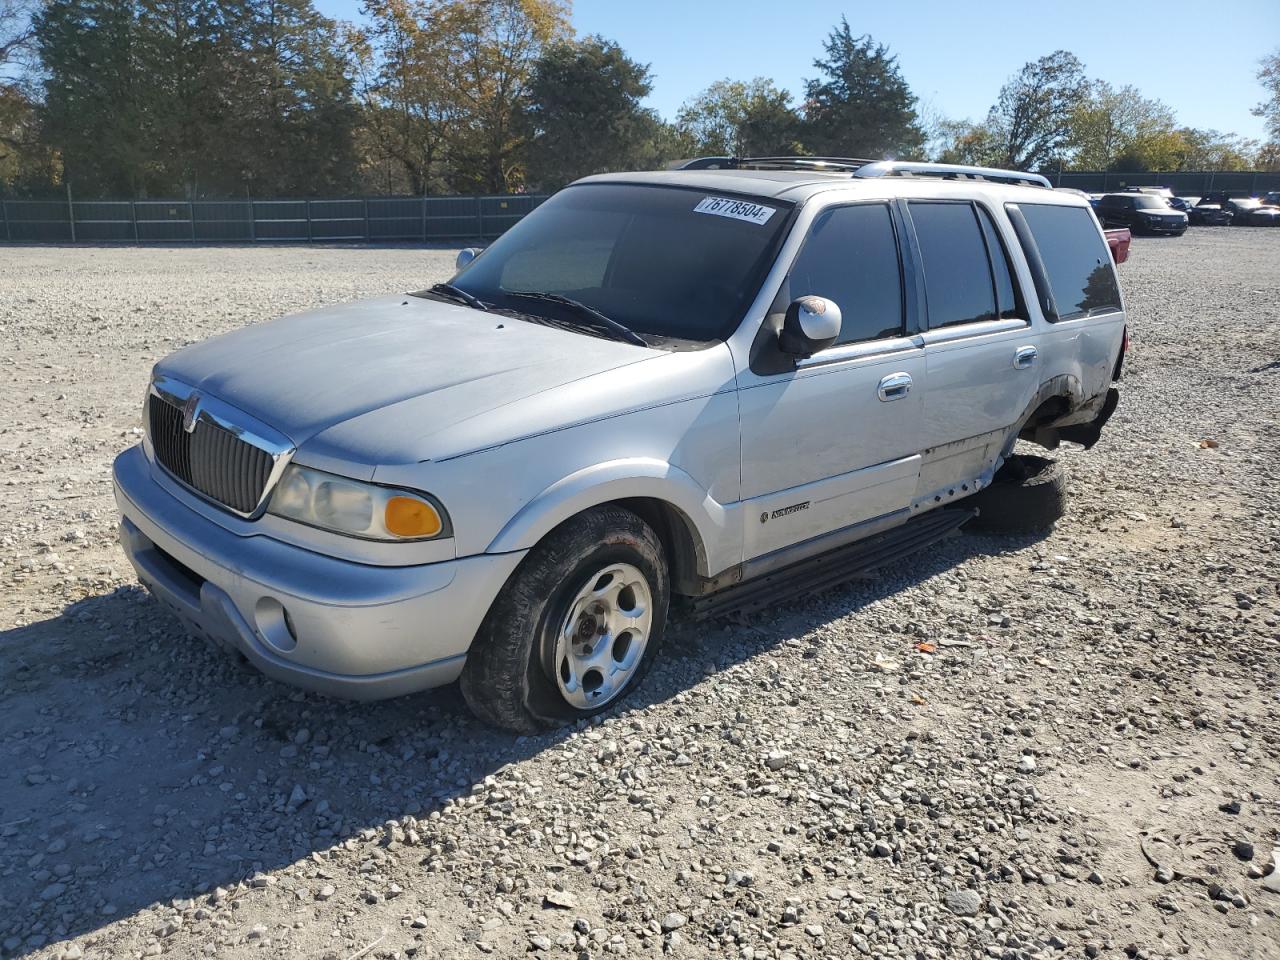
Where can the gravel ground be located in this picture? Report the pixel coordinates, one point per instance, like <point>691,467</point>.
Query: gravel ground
<point>1080,761</point>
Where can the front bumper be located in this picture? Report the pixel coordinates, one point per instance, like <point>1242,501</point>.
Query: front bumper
<point>352,630</point>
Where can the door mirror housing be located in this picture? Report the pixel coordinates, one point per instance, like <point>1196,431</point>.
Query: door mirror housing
<point>465,256</point>
<point>811,324</point>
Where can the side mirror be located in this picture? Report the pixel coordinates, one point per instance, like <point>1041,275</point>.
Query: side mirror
<point>465,256</point>
<point>811,324</point>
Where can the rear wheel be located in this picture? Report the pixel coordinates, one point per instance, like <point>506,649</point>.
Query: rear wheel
<point>1027,495</point>
<point>575,628</point>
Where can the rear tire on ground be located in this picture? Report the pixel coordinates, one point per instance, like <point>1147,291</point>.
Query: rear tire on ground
<point>1027,495</point>
<point>575,628</point>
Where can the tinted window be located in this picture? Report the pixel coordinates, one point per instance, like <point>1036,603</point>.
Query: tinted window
<point>1006,298</point>
<point>664,261</point>
<point>1081,276</point>
<point>957,277</point>
<point>851,257</point>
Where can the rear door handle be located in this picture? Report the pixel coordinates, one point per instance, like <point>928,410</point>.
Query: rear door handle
<point>895,386</point>
<point>1024,357</point>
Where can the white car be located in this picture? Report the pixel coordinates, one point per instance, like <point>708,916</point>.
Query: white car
<point>658,386</point>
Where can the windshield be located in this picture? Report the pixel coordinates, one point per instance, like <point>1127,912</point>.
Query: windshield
<point>664,261</point>
<point>1149,202</point>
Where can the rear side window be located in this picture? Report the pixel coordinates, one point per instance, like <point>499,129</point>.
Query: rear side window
<point>1006,296</point>
<point>957,275</point>
<point>851,257</point>
<point>1076,260</point>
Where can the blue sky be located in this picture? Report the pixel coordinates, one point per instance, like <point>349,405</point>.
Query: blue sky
<point>1198,57</point>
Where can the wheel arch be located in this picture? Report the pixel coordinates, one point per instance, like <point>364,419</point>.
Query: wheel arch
<point>692,525</point>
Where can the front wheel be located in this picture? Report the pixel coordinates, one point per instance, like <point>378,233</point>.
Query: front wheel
<point>575,628</point>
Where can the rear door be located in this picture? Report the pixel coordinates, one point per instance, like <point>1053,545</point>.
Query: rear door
<point>832,440</point>
<point>981,349</point>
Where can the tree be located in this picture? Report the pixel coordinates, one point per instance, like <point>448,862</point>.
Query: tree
<point>17,116</point>
<point>861,106</point>
<point>90,113</point>
<point>1269,109</point>
<point>971,144</point>
<point>584,115</point>
<point>291,117</point>
<point>409,107</point>
<point>494,47</point>
<point>179,93</point>
<point>1211,150</point>
<point>1031,121</point>
<point>1122,130</point>
<point>732,118</point>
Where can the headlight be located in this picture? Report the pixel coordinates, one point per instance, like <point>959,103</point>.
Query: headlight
<point>357,509</point>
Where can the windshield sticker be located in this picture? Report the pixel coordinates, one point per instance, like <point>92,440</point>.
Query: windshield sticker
<point>736,209</point>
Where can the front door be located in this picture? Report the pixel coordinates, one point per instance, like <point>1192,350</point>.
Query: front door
<point>833,440</point>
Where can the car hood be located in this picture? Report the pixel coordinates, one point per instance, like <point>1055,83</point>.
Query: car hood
<point>306,373</point>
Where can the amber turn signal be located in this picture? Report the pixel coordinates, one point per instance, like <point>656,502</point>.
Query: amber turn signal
<point>410,517</point>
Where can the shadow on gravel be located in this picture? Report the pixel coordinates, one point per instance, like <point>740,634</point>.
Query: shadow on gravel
<point>137,766</point>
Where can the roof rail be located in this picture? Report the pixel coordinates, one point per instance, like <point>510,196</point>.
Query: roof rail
<point>949,171</point>
<point>816,164</point>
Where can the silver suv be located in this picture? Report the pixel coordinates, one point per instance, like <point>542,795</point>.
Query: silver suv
<point>657,388</point>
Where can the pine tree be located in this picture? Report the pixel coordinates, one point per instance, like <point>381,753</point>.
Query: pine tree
<point>862,107</point>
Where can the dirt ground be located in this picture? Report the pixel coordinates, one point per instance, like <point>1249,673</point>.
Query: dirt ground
<point>1086,765</point>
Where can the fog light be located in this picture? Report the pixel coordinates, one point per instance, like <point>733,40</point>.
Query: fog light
<point>275,626</point>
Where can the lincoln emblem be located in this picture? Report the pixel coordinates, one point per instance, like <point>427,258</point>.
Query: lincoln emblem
<point>190,410</point>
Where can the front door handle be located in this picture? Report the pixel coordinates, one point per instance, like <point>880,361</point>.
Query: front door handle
<point>895,386</point>
<point>1024,357</point>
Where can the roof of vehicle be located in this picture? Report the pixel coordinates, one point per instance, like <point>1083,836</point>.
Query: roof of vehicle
<point>799,184</point>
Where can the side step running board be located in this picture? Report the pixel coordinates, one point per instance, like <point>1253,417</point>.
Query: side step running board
<point>830,569</point>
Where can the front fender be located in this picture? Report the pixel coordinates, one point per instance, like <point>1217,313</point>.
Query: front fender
<point>707,520</point>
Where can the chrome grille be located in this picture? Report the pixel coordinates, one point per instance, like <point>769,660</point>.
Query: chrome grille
<point>210,459</point>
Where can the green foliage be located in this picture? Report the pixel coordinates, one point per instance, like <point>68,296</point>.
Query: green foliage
<point>195,96</point>
<point>861,106</point>
<point>1121,130</point>
<point>584,114</point>
<point>268,97</point>
<point>1031,122</point>
<point>732,118</point>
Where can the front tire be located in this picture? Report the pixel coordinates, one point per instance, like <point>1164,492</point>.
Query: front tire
<point>575,628</point>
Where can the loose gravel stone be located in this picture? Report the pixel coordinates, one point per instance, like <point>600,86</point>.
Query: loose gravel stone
<point>962,757</point>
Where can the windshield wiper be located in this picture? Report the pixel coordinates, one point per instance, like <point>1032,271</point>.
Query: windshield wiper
<point>596,318</point>
<point>458,295</point>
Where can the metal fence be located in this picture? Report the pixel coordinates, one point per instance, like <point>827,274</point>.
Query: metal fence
<point>245,221</point>
<point>1192,184</point>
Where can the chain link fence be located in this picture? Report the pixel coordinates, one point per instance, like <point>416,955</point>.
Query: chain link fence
<point>373,219</point>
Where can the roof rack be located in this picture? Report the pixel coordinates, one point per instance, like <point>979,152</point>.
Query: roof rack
<point>949,171</point>
<point>815,164</point>
<point>867,168</point>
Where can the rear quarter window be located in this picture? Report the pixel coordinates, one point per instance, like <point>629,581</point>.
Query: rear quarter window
<point>1076,260</point>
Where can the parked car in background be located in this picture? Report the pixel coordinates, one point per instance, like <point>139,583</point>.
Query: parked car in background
<point>1166,192</point>
<point>1141,213</point>
<point>1242,210</point>
<point>1180,203</point>
<point>1265,215</point>
<point>1210,215</point>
